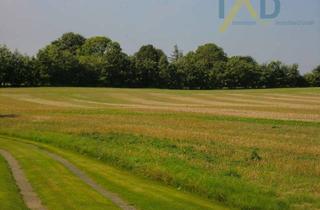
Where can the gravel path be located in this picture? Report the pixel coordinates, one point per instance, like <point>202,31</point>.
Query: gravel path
<point>30,198</point>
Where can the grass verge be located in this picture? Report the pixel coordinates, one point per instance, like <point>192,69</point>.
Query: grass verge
<point>227,188</point>
<point>57,188</point>
<point>10,197</point>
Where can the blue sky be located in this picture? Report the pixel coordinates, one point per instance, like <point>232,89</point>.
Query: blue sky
<point>31,24</point>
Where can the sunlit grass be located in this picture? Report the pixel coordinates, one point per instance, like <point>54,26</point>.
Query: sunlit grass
<point>10,197</point>
<point>53,182</point>
<point>185,138</point>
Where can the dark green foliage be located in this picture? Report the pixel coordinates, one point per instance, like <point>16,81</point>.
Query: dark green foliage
<point>95,46</point>
<point>117,64</point>
<point>59,63</point>
<point>176,54</point>
<point>106,61</point>
<point>147,63</point>
<point>70,42</point>
<point>17,69</point>
<point>73,60</point>
<point>60,67</point>
<point>277,75</point>
<point>242,72</point>
<point>202,69</point>
<point>5,64</point>
<point>255,155</point>
<point>313,78</point>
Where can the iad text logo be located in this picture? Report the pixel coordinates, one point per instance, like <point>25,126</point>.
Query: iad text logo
<point>263,13</point>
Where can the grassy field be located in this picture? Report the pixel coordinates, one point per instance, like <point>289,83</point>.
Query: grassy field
<point>53,182</point>
<point>9,193</point>
<point>246,149</point>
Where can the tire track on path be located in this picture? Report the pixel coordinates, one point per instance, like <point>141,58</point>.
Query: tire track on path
<point>30,198</point>
<point>107,194</point>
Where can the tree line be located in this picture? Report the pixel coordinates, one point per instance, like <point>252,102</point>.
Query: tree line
<point>73,60</point>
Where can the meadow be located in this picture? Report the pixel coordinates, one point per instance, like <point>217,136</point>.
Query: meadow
<point>166,149</point>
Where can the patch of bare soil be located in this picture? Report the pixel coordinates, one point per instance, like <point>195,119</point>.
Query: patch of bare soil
<point>8,115</point>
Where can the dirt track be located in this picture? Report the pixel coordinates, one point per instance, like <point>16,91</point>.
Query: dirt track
<point>107,194</point>
<point>30,198</point>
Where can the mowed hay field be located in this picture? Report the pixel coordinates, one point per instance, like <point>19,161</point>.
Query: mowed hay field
<point>245,149</point>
